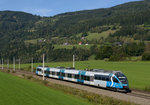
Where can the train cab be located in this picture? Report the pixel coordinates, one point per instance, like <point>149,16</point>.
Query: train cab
<point>122,80</point>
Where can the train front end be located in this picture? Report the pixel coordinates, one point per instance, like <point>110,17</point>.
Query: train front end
<point>123,81</point>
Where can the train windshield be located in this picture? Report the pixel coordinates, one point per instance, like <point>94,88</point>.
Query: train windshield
<point>122,77</point>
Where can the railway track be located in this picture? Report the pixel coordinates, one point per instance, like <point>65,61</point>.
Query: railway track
<point>135,96</point>
<point>141,95</point>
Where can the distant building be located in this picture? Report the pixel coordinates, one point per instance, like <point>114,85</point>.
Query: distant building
<point>66,44</point>
<point>117,44</point>
<point>86,44</point>
<point>82,38</point>
<point>80,43</point>
<point>40,40</point>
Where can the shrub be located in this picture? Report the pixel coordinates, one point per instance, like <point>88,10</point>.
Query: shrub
<point>45,82</point>
<point>29,77</point>
<point>147,88</point>
<point>8,71</point>
<point>146,56</point>
<point>13,71</point>
<point>23,75</point>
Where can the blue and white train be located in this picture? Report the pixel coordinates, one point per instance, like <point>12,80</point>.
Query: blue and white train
<point>115,80</point>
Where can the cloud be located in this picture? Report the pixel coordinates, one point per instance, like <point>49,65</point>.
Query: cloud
<point>41,11</point>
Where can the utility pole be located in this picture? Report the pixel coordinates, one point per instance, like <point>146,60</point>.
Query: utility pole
<point>2,64</point>
<point>32,65</point>
<point>14,62</point>
<point>43,67</point>
<point>19,63</point>
<point>73,61</point>
<point>8,64</point>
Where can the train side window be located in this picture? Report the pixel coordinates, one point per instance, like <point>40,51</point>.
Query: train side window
<point>88,78</point>
<point>107,79</point>
<point>103,78</point>
<point>82,77</point>
<point>96,77</point>
<point>38,69</point>
<point>69,75</point>
<point>53,73</point>
<point>115,80</point>
<point>99,78</point>
<point>58,73</point>
<point>85,77</point>
<point>76,76</point>
<point>63,74</point>
<point>47,72</point>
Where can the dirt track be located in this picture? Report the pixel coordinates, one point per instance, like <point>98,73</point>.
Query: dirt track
<point>135,97</point>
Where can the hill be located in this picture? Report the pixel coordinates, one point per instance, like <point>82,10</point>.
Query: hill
<point>25,35</point>
<point>68,24</point>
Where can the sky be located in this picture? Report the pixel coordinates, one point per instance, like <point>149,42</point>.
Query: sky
<point>54,7</point>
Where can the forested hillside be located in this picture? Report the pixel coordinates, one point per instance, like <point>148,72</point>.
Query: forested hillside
<point>127,24</point>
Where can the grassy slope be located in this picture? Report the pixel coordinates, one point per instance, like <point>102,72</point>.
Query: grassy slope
<point>71,46</point>
<point>104,34</point>
<point>34,41</point>
<point>17,91</point>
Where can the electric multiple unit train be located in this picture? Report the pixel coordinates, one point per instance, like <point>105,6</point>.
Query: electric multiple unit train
<point>115,80</point>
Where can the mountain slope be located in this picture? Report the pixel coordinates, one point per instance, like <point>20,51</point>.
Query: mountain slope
<point>68,24</point>
<point>21,24</point>
<point>130,20</point>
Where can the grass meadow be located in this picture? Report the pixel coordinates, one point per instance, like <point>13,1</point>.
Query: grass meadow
<point>96,36</point>
<point>138,73</point>
<point>18,91</point>
<point>71,46</point>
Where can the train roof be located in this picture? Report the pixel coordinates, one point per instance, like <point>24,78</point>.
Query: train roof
<point>104,71</point>
<point>97,71</point>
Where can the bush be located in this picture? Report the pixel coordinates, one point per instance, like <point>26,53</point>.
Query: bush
<point>45,82</point>
<point>146,56</point>
<point>29,77</point>
<point>114,58</point>
<point>147,88</point>
<point>8,71</point>
<point>23,75</point>
<point>104,52</point>
<point>13,71</point>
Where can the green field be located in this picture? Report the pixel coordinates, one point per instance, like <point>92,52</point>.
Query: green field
<point>138,73</point>
<point>18,91</point>
<point>104,34</point>
<point>71,46</point>
<point>34,41</point>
